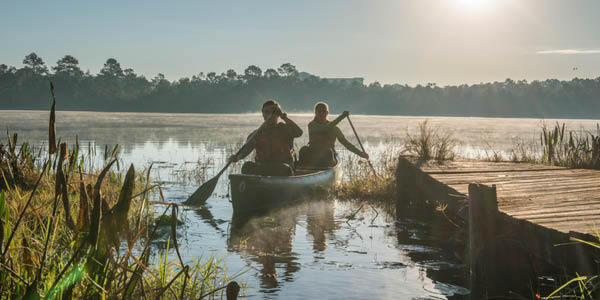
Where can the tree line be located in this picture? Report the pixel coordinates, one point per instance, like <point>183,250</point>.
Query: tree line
<point>115,88</point>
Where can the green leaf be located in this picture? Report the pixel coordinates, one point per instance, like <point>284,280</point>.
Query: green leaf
<point>580,278</point>
<point>2,220</point>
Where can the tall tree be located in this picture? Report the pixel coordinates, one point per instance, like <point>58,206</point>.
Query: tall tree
<point>112,68</point>
<point>252,72</point>
<point>288,70</point>
<point>129,74</point>
<point>271,73</point>
<point>212,77</point>
<point>231,74</point>
<point>35,63</point>
<point>160,82</point>
<point>68,65</point>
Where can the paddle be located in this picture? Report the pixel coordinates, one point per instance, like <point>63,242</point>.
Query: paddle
<point>361,146</point>
<point>204,191</point>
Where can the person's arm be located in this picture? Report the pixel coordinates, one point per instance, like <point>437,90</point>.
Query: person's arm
<point>246,149</point>
<point>340,137</point>
<point>295,130</point>
<point>317,127</point>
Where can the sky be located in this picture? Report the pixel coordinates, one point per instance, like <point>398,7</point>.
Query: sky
<point>446,42</point>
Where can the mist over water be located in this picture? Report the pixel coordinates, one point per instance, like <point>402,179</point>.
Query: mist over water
<point>131,130</point>
<point>308,251</point>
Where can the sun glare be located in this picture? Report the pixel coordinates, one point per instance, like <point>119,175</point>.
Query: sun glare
<point>473,4</point>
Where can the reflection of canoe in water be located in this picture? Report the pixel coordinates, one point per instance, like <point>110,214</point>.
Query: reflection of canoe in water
<point>252,193</point>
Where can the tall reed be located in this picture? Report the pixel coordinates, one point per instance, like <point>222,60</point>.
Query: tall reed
<point>570,149</point>
<point>429,143</point>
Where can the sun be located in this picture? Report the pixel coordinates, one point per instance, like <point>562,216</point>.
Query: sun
<point>476,5</point>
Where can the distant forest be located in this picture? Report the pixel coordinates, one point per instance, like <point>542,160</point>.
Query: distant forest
<point>117,89</point>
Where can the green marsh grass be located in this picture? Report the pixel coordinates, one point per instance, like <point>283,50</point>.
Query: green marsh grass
<point>431,143</point>
<point>360,184</point>
<point>569,148</point>
<point>557,145</point>
<point>579,287</point>
<point>69,231</point>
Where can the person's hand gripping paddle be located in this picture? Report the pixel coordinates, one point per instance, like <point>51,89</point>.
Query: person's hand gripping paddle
<point>202,194</point>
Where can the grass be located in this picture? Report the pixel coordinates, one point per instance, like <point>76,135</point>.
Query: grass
<point>570,149</point>
<point>523,151</point>
<point>62,233</point>
<point>557,146</point>
<point>71,232</point>
<point>197,175</point>
<point>360,184</point>
<point>579,287</point>
<point>430,143</point>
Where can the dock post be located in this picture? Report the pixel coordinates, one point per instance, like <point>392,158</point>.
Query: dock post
<point>498,262</point>
<point>483,208</point>
<point>406,184</point>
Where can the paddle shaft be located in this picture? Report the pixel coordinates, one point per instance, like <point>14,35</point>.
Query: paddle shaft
<point>361,145</point>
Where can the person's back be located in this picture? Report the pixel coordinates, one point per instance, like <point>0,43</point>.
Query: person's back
<point>321,138</point>
<point>322,135</point>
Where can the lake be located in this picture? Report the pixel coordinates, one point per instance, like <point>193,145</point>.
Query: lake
<point>313,250</point>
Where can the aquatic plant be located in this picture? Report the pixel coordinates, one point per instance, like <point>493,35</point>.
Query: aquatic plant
<point>490,152</point>
<point>568,148</point>
<point>523,151</point>
<point>430,143</point>
<point>197,174</point>
<point>361,185</point>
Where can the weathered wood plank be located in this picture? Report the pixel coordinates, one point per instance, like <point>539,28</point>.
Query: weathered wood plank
<point>555,197</point>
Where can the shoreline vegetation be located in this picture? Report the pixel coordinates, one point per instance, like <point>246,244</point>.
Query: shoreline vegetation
<point>116,88</point>
<point>70,231</point>
<point>557,146</point>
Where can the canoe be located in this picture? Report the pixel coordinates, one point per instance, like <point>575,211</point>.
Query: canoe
<point>255,193</point>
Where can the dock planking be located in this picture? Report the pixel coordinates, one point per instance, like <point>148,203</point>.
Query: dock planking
<point>559,198</point>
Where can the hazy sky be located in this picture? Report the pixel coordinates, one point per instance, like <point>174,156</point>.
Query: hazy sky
<point>421,41</point>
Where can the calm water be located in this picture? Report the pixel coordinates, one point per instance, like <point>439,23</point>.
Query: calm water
<point>313,250</point>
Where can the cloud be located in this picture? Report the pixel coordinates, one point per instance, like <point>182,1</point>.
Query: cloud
<point>568,51</point>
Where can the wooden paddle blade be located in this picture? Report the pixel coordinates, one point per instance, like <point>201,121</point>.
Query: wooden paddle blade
<point>202,194</point>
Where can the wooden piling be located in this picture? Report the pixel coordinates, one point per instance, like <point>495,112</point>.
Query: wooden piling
<point>483,209</point>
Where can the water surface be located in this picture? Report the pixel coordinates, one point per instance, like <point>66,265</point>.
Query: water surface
<point>323,249</point>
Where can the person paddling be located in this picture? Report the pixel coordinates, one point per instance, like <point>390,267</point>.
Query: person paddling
<point>274,144</point>
<point>322,135</point>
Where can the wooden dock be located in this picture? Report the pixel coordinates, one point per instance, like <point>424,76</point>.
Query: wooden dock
<point>554,197</point>
<point>516,221</point>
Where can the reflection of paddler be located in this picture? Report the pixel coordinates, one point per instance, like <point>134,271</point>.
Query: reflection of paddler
<point>268,239</point>
<point>320,223</point>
